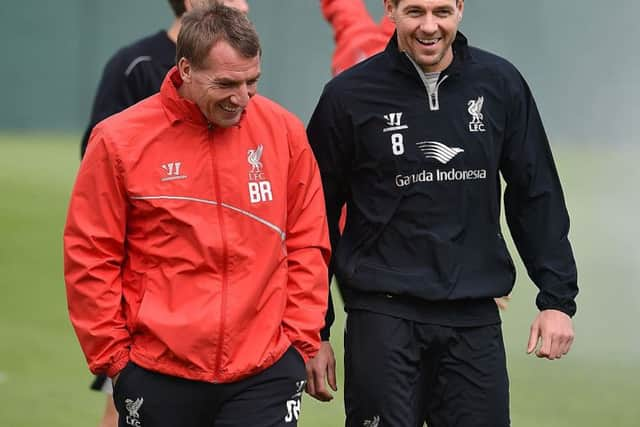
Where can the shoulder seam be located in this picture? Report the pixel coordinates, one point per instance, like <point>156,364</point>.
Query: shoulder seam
<point>135,62</point>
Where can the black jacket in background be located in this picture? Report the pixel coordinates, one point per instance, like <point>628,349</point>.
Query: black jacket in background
<point>134,73</point>
<point>420,175</point>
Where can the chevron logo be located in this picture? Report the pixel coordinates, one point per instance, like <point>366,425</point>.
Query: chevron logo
<point>438,151</point>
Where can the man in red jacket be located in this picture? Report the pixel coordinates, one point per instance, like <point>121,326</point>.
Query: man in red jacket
<point>133,73</point>
<point>196,246</point>
<point>136,70</point>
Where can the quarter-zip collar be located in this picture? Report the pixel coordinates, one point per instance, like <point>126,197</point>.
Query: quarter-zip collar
<point>400,59</point>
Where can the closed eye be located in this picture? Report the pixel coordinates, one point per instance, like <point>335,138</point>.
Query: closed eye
<point>224,84</point>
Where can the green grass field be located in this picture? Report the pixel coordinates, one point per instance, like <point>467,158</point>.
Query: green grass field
<point>44,379</point>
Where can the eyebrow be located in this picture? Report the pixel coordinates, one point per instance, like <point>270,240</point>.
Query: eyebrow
<point>225,81</point>
<point>437,8</point>
<point>228,81</point>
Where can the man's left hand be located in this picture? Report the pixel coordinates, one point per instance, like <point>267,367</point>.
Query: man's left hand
<point>321,370</point>
<point>555,331</point>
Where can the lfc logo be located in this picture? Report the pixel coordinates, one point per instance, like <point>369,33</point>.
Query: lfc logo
<point>475,109</point>
<point>259,187</point>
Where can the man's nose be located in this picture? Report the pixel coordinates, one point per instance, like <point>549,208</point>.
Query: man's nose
<point>429,24</point>
<point>241,97</point>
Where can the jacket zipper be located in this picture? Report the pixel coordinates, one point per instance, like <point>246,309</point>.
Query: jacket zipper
<point>434,100</point>
<point>223,303</point>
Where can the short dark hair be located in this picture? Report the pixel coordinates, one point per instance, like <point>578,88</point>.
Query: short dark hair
<point>204,27</point>
<point>178,7</point>
<point>395,2</point>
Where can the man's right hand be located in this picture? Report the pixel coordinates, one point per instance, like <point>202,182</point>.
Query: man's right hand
<point>321,370</point>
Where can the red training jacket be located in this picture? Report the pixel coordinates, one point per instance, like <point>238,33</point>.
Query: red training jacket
<point>356,34</point>
<point>196,251</point>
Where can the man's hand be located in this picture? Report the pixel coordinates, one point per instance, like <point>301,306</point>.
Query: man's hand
<point>555,329</point>
<point>503,302</point>
<point>320,371</point>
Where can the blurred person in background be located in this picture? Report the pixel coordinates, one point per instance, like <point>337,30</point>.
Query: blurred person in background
<point>356,35</point>
<point>136,71</point>
<point>414,140</point>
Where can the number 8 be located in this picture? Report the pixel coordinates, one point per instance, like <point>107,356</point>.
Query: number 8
<point>397,144</point>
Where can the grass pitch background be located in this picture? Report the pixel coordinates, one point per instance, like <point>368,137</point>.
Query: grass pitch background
<point>43,375</point>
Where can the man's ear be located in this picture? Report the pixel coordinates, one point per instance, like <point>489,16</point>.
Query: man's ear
<point>184,66</point>
<point>388,10</point>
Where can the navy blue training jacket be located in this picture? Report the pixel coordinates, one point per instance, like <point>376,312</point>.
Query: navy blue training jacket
<point>420,175</point>
<point>132,74</point>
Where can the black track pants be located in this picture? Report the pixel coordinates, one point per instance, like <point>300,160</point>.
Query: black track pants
<point>268,399</point>
<point>401,373</point>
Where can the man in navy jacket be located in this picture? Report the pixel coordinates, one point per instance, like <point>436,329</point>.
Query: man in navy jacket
<point>414,141</point>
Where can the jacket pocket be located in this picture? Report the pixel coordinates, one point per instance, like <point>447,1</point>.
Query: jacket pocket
<point>428,269</point>
<point>428,282</point>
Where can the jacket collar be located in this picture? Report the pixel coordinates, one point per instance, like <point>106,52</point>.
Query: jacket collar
<point>176,107</point>
<point>461,55</point>
<point>179,109</point>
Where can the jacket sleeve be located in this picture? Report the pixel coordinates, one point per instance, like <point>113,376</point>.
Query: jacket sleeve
<point>330,138</point>
<point>534,203</point>
<point>94,251</point>
<point>357,36</point>
<point>387,26</point>
<point>344,15</point>
<point>308,250</point>
<point>114,94</point>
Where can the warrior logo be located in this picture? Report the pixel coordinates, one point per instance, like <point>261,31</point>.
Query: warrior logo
<point>394,122</point>
<point>393,119</point>
<point>172,170</point>
<point>475,109</point>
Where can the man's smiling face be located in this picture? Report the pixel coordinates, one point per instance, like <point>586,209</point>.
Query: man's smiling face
<point>223,88</point>
<point>426,29</point>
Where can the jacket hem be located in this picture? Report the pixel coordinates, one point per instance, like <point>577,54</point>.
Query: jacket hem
<point>172,367</point>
